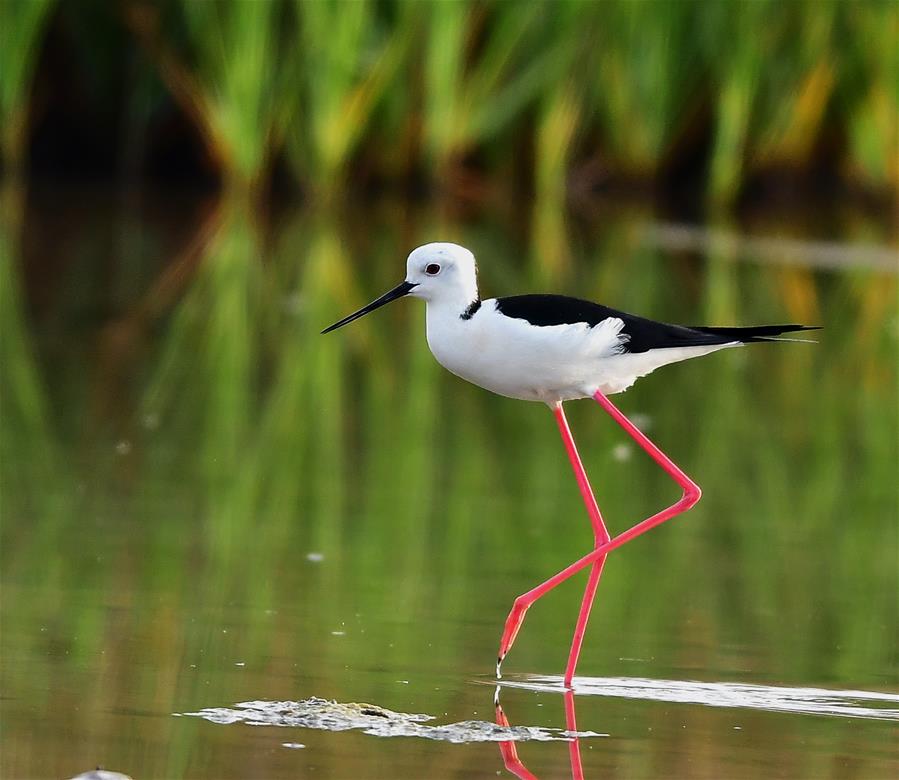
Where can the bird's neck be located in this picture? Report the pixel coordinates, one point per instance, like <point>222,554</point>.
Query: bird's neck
<point>458,306</point>
<point>458,297</point>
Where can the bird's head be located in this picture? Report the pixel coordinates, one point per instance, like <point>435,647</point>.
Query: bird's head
<point>443,273</point>
<point>440,273</point>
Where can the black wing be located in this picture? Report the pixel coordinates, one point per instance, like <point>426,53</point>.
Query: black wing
<point>642,334</point>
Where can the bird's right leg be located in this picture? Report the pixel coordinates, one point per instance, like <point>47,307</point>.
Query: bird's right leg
<point>691,494</point>
<point>600,535</point>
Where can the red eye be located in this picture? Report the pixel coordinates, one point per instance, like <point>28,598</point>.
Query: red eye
<point>432,270</point>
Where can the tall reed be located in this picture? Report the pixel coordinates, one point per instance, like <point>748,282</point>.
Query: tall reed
<point>342,61</point>
<point>218,59</point>
<point>22,25</point>
<point>485,65</point>
<point>536,93</point>
<point>869,91</point>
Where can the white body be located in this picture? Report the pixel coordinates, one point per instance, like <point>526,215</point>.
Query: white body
<point>552,363</point>
<point>511,356</point>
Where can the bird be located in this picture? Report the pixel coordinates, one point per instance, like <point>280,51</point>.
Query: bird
<point>553,349</point>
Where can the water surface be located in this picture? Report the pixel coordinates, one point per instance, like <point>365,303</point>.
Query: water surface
<point>205,504</point>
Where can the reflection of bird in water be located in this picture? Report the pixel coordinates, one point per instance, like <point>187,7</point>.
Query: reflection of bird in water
<point>509,750</point>
<point>552,348</point>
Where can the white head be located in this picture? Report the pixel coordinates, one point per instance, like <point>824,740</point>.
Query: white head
<point>441,274</point>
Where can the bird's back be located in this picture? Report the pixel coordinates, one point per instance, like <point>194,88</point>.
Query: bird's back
<point>641,334</point>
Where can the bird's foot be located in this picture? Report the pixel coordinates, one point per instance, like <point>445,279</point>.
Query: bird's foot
<point>513,623</point>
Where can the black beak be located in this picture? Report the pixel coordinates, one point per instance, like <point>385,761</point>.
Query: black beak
<point>397,292</point>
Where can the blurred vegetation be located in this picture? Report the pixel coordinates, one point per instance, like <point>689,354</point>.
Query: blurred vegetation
<point>175,436</point>
<point>577,92</point>
<point>21,25</point>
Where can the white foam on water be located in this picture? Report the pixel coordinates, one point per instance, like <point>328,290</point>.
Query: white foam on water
<point>870,705</point>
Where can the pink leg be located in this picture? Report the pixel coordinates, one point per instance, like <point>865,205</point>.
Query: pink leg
<point>583,616</point>
<point>600,535</point>
<point>691,495</point>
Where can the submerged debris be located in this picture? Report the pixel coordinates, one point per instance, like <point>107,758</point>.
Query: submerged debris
<point>316,713</point>
<point>101,774</point>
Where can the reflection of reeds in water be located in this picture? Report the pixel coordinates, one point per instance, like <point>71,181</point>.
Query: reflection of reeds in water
<point>27,447</point>
<point>434,503</point>
<point>207,374</point>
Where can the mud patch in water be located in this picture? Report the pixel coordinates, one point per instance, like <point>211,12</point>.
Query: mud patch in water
<point>316,713</point>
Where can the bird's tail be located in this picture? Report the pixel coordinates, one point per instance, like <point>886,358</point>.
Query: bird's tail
<point>758,333</point>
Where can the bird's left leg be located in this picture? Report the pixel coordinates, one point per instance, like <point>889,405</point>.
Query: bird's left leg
<point>600,535</point>
<point>691,494</point>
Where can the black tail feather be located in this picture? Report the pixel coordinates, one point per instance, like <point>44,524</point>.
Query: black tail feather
<point>758,333</point>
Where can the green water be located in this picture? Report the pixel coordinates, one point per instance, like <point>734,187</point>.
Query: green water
<point>204,502</point>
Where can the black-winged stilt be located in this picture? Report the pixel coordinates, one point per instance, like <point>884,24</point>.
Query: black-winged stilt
<point>553,348</point>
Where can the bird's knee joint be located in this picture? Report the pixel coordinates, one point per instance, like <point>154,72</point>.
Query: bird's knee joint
<point>692,494</point>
